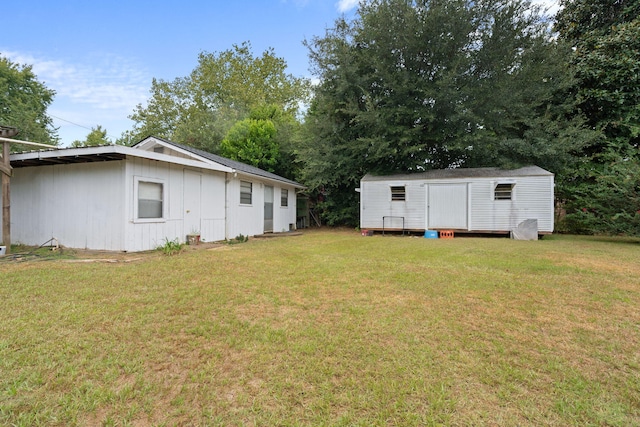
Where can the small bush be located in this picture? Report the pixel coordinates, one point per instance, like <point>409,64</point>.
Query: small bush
<point>238,239</point>
<point>171,247</point>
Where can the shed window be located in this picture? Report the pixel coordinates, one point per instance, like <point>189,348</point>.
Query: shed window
<point>398,193</point>
<point>245,192</point>
<point>284,197</point>
<point>503,191</point>
<point>150,195</point>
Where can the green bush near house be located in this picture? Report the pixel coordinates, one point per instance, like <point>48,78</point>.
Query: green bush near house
<point>171,247</point>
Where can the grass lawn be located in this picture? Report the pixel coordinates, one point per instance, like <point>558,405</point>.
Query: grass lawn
<point>328,329</point>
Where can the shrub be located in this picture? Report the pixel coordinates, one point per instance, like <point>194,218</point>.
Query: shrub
<point>171,247</point>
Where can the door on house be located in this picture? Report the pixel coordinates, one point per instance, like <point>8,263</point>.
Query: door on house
<point>192,202</point>
<point>268,209</point>
<point>447,206</point>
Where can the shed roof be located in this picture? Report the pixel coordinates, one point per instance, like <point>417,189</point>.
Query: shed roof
<point>461,173</point>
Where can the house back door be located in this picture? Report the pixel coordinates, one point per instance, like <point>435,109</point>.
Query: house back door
<point>268,209</point>
<point>447,206</point>
<point>191,202</point>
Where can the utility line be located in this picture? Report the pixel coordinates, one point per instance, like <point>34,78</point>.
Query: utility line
<point>79,125</point>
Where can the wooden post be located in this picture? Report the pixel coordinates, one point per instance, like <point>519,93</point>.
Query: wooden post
<point>5,172</point>
<point>6,197</point>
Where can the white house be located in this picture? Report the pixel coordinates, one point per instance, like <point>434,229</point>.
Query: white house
<point>482,200</point>
<point>133,198</point>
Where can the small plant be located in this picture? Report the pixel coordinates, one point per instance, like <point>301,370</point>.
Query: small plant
<point>238,239</point>
<point>171,247</point>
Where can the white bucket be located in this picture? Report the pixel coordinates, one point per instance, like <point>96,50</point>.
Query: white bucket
<point>3,250</point>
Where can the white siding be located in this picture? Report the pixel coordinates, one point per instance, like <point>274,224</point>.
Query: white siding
<point>145,235</point>
<point>81,205</point>
<point>284,217</point>
<point>94,205</point>
<point>248,220</point>
<point>376,205</point>
<point>447,206</point>
<point>532,199</point>
<point>213,208</point>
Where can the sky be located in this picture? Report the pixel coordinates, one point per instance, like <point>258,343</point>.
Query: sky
<point>100,56</point>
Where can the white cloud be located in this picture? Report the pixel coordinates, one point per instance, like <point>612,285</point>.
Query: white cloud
<point>101,81</point>
<point>346,5</point>
<point>96,89</point>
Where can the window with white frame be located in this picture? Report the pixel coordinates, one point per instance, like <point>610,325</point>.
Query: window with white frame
<point>398,193</point>
<point>503,191</point>
<point>284,197</point>
<point>150,199</point>
<point>246,189</point>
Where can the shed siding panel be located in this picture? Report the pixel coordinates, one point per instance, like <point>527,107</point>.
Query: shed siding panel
<point>532,199</point>
<point>447,207</point>
<point>376,203</point>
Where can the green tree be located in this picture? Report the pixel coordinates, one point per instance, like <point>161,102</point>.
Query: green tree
<point>580,19</point>
<point>224,87</point>
<point>606,198</point>
<point>252,141</point>
<point>606,38</point>
<point>414,85</point>
<point>266,139</point>
<point>287,137</point>
<point>603,195</point>
<point>23,103</point>
<point>97,136</point>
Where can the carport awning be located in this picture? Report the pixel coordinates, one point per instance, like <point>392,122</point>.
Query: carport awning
<point>66,159</point>
<point>103,153</point>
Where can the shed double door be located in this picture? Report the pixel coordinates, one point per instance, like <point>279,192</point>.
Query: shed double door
<point>447,206</point>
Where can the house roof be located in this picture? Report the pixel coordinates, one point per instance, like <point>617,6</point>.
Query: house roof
<point>461,173</point>
<point>200,159</point>
<point>233,164</point>
<point>103,153</point>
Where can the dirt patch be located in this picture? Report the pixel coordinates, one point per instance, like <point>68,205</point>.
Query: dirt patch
<point>69,255</point>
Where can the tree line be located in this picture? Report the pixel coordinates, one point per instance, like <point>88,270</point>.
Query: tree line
<point>412,85</point>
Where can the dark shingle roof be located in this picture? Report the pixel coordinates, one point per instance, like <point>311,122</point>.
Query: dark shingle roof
<point>238,166</point>
<point>460,173</point>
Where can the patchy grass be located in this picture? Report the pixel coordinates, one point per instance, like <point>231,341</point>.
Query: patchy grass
<point>330,328</point>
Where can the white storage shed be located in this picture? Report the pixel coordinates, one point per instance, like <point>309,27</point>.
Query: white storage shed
<point>475,200</point>
<point>133,198</point>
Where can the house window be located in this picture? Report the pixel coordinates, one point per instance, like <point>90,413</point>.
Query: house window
<point>398,193</point>
<point>150,199</point>
<point>284,197</point>
<point>245,192</point>
<point>503,191</point>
